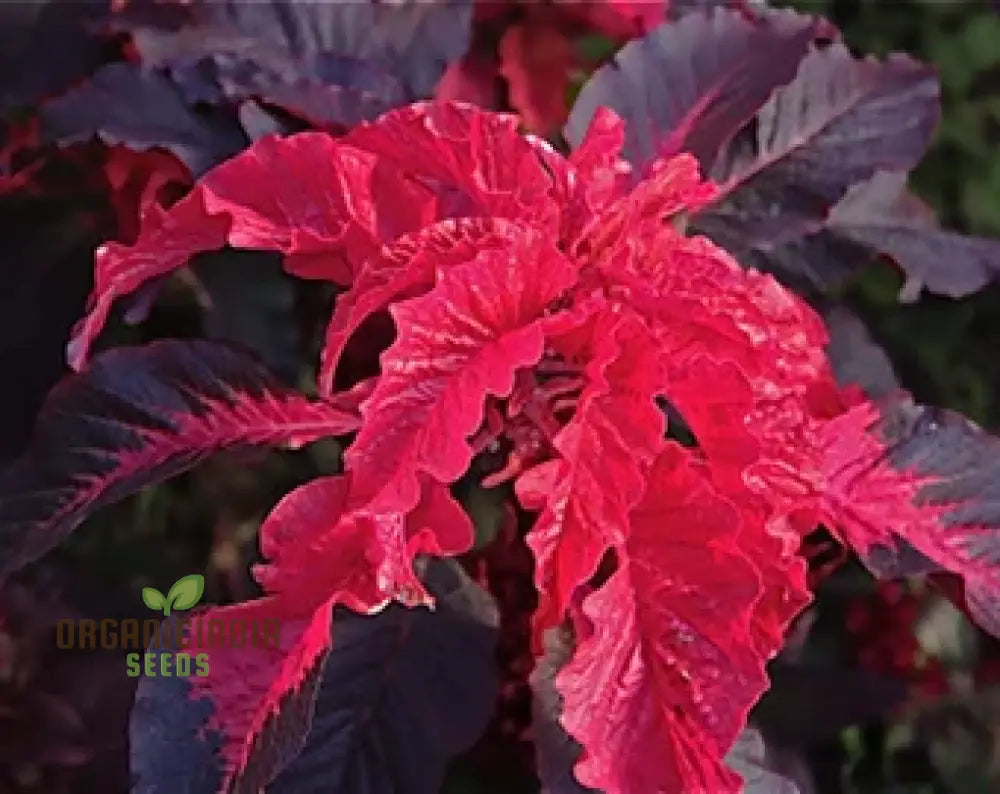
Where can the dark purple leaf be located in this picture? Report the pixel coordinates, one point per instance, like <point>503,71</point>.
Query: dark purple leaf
<point>138,416</point>
<point>398,694</point>
<point>898,561</point>
<point>328,62</point>
<point>44,47</point>
<point>556,750</point>
<point>882,216</point>
<point>879,217</point>
<point>325,104</point>
<point>839,122</point>
<point>166,753</point>
<point>181,727</point>
<point>402,693</point>
<point>125,104</point>
<point>689,86</point>
<point>821,261</point>
<point>413,40</point>
<point>906,479</point>
<point>855,357</point>
<point>258,122</point>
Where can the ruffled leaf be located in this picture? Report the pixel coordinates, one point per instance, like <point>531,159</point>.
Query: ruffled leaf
<point>839,122</point>
<point>138,416</point>
<point>320,204</point>
<point>317,545</point>
<point>592,177</point>
<point>721,67</point>
<point>456,345</point>
<point>902,477</point>
<point>672,190</point>
<point>721,330</point>
<point>477,163</point>
<point>405,268</point>
<point>660,689</point>
<point>586,495</point>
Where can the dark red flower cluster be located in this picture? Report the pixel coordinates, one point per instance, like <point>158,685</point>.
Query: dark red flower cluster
<point>882,626</point>
<point>533,48</point>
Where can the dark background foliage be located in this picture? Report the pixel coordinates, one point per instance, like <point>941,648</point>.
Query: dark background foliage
<point>838,731</point>
<point>944,350</point>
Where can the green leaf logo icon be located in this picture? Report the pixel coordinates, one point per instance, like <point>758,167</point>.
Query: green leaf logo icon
<point>153,598</point>
<point>184,594</point>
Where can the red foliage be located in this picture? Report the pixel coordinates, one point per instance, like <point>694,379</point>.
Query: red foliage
<point>544,321</point>
<point>545,284</point>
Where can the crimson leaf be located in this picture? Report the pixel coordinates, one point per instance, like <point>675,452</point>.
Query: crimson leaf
<point>138,416</point>
<point>691,85</point>
<point>476,163</point>
<point>457,344</point>
<point>226,206</point>
<point>668,662</point>
<point>408,266</point>
<point>905,478</point>
<point>317,545</point>
<point>587,493</point>
<point>840,121</point>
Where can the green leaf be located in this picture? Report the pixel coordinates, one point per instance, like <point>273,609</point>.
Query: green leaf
<point>186,591</point>
<point>153,598</point>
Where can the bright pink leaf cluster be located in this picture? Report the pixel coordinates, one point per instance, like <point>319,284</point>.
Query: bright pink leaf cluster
<point>545,307</point>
